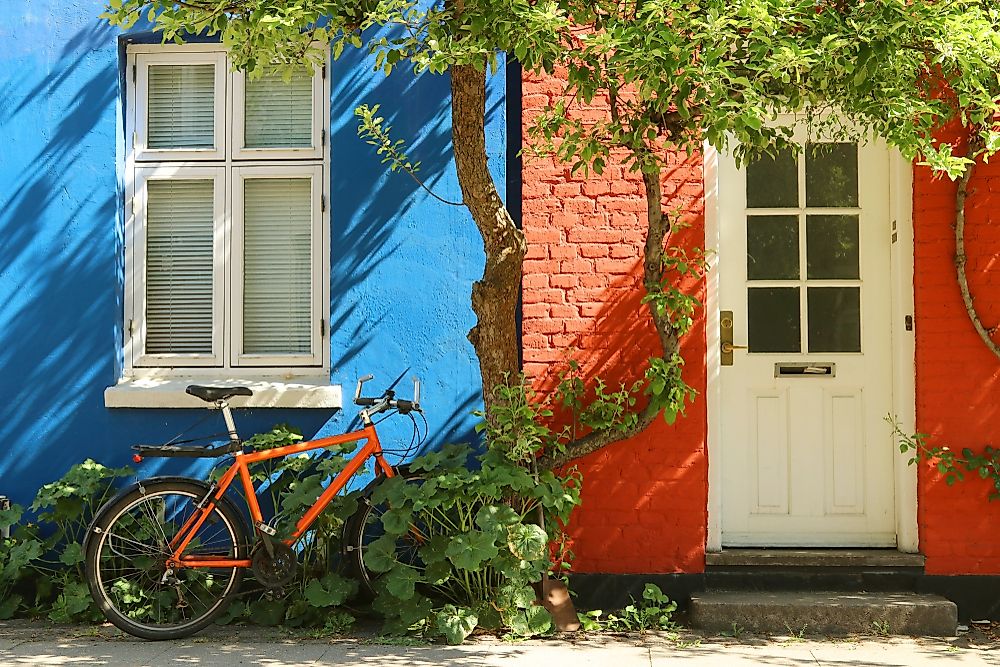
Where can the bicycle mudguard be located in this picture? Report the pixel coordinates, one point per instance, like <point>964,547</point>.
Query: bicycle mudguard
<point>155,480</point>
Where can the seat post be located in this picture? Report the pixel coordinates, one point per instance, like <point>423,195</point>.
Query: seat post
<point>227,415</point>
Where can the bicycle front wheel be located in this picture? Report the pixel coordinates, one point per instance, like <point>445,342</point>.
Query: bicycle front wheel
<point>128,547</point>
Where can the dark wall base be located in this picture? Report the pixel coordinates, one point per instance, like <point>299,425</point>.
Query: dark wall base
<point>977,596</point>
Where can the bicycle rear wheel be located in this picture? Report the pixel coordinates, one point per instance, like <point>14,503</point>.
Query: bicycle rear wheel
<point>127,548</point>
<point>365,526</point>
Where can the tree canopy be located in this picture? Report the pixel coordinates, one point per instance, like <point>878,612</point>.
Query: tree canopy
<point>672,75</point>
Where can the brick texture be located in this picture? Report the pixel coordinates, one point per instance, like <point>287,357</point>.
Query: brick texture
<point>644,500</point>
<point>957,377</point>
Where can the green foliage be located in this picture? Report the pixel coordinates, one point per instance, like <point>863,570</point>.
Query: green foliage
<point>41,564</point>
<point>286,488</point>
<point>653,612</point>
<point>947,462</point>
<point>473,546</point>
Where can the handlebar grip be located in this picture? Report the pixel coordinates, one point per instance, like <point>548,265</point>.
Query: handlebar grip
<point>364,401</point>
<point>403,405</point>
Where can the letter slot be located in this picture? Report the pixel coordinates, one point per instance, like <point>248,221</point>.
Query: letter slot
<point>805,370</point>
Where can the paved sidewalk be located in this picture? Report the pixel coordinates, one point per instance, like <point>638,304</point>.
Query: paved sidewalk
<point>32,643</point>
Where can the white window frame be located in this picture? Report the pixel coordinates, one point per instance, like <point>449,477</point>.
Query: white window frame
<point>240,174</point>
<point>143,176</point>
<point>140,369</point>
<point>318,132</point>
<point>141,64</point>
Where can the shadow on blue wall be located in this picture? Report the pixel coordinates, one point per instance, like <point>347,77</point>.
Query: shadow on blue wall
<point>401,264</point>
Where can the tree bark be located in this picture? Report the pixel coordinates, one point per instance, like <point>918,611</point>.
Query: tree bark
<point>961,195</point>
<point>495,295</point>
<point>657,229</point>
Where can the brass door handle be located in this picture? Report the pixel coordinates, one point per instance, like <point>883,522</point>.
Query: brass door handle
<point>727,347</point>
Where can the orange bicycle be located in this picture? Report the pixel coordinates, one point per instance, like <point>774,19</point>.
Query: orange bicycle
<point>167,555</point>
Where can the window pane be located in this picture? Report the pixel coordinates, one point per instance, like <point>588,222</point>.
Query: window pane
<point>773,182</point>
<point>834,319</point>
<point>772,247</point>
<point>279,114</point>
<point>179,260</point>
<point>832,175</point>
<point>832,246</point>
<point>181,106</point>
<point>773,319</point>
<point>277,266</point>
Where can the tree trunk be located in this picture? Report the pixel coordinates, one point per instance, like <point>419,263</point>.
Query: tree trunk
<point>495,295</point>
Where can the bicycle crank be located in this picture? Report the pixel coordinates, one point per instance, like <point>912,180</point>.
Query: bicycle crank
<point>274,571</point>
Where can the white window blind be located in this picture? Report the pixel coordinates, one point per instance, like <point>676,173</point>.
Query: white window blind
<point>179,266</point>
<point>278,114</point>
<point>181,106</point>
<point>277,266</point>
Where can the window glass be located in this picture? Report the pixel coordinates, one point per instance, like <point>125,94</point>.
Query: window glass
<point>181,106</point>
<point>277,266</point>
<point>772,181</point>
<point>279,113</point>
<point>832,175</point>
<point>834,319</point>
<point>773,319</point>
<point>772,247</point>
<point>832,249</point>
<point>179,266</point>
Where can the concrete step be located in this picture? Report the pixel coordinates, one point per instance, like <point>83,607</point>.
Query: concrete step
<point>824,612</point>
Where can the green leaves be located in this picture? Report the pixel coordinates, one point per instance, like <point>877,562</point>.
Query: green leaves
<point>455,623</point>
<point>468,551</point>
<point>527,541</point>
<point>331,590</point>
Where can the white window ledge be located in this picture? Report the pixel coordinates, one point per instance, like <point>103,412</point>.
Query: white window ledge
<point>267,393</point>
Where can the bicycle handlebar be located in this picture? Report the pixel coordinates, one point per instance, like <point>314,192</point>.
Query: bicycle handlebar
<point>388,400</point>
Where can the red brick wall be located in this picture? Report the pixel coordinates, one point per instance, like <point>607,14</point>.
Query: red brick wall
<point>958,378</point>
<point>644,500</point>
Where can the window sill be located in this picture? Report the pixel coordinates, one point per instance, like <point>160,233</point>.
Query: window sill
<point>305,392</point>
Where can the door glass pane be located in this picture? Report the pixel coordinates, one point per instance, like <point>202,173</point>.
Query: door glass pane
<point>773,182</point>
<point>277,266</point>
<point>279,113</point>
<point>773,319</point>
<point>772,247</point>
<point>181,106</point>
<point>832,246</point>
<point>834,319</point>
<point>832,175</point>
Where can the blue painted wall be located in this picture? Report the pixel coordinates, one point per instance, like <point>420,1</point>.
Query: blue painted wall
<point>402,264</point>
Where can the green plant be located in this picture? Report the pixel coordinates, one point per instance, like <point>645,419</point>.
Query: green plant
<point>653,612</point>
<point>881,628</point>
<point>947,462</point>
<point>64,510</point>
<point>481,548</point>
<point>286,487</point>
<point>16,555</point>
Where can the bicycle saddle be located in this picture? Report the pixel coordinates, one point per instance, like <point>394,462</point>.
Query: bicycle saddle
<point>212,394</point>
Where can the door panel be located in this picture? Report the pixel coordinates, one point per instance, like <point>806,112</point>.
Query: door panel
<point>804,268</point>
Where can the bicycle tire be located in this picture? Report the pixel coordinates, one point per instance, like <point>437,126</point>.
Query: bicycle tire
<point>127,542</point>
<point>362,528</point>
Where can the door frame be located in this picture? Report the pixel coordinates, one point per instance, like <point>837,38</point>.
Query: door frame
<point>902,343</point>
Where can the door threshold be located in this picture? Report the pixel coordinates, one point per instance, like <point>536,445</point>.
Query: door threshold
<point>799,557</point>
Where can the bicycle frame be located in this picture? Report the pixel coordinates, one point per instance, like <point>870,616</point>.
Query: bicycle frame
<point>371,449</point>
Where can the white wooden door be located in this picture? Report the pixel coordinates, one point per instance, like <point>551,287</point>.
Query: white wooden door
<point>804,270</point>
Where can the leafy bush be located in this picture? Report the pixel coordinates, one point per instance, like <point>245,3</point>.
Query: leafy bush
<point>477,545</point>
<point>286,488</point>
<point>45,557</point>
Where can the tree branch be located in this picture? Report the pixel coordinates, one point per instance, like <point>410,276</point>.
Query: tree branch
<point>961,195</point>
